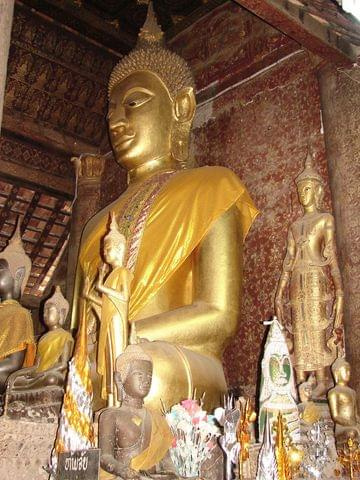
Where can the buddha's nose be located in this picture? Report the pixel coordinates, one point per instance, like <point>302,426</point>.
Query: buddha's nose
<point>118,128</point>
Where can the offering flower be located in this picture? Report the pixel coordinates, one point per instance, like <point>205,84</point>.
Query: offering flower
<point>195,434</point>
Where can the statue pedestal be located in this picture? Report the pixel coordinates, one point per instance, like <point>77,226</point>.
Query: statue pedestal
<point>42,405</point>
<point>25,448</point>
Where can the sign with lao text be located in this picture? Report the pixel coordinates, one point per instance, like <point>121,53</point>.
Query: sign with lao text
<point>82,465</point>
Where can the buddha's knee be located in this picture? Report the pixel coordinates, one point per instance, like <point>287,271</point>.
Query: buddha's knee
<point>54,379</point>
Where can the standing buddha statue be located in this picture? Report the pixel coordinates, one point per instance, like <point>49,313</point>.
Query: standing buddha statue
<point>185,227</point>
<point>111,308</point>
<point>17,344</point>
<point>310,252</point>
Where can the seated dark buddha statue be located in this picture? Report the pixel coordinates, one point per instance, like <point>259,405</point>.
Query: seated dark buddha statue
<point>17,345</point>
<point>30,386</point>
<point>132,438</point>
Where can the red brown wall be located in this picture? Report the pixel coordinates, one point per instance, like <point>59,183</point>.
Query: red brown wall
<point>260,129</point>
<point>340,95</point>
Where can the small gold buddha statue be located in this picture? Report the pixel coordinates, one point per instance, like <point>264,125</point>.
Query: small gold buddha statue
<point>342,403</point>
<point>132,437</point>
<point>309,411</point>
<point>17,344</point>
<point>310,252</point>
<point>184,227</point>
<point>54,350</point>
<point>111,307</point>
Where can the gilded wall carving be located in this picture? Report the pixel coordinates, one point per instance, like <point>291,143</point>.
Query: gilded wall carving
<point>56,78</point>
<point>22,153</point>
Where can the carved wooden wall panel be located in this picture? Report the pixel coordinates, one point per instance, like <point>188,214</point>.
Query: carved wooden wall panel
<point>56,79</point>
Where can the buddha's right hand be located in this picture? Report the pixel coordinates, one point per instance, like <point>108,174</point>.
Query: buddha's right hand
<point>127,473</point>
<point>87,287</point>
<point>111,465</point>
<point>279,308</point>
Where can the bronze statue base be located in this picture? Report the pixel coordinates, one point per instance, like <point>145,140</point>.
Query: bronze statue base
<point>41,405</point>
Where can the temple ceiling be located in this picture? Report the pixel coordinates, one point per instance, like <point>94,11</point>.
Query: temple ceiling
<point>45,225</point>
<point>320,26</point>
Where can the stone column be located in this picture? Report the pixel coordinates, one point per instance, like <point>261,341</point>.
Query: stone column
<point>89,169</point>
<point>340,99</point>
<point>6,16</point>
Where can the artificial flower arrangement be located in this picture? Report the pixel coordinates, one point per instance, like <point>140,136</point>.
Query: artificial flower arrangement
<point>195,433</point>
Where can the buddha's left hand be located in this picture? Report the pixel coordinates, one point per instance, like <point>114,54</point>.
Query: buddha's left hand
<point>101,275</point>
<point>338,308</point>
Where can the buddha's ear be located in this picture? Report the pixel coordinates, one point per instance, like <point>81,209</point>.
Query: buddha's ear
<point>185,105</point>
<point>18,280</point>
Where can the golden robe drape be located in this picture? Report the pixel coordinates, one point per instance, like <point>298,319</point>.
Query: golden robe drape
<point>16,331</point>
<point>181,215</point>
<point>51,346</point>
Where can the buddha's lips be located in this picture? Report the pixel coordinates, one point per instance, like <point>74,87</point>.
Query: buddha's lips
<point>122,140</point>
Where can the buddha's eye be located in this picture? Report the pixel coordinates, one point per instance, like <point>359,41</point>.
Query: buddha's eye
<point>136,99</point>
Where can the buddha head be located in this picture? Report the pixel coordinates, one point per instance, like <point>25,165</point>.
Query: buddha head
<point>305,391</point>
<point>341,371</point>
<point>56,309</point>
<point>133,373</point>
<point>151,103</point>
<point>310,185</point>
<point>114,244</point>
<point>18,263</point>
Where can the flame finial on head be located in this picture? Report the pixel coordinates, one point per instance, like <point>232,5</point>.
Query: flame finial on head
<point>309,172</point>
<point>151,55</point>
<point>151,30</point>
<point>19,262</point>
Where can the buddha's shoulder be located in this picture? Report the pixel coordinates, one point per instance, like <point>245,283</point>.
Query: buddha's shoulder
<point>114,414</point>
<point>15,306</point>
<point>212,176</point>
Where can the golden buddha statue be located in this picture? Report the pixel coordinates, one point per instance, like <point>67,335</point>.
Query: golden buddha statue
<point>185,227</point>
<point>54,350</point>
<point>111,308</point>
<point>310,252</point>
<point>309,411</point>
<point>342,403</point>
<point>17,344</point>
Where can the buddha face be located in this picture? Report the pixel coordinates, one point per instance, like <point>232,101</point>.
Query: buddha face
<point>310,193</point>
<point>140,119</point>
<point>342,374</point>
<point>6,279</point>
<point>138,380</point>
<point>307,192</point>
<point>114,253</point>
<point>305,392</point>
<point>51,315</point>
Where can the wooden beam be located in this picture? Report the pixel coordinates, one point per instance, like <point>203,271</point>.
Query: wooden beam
<point>37,180</point>
<point>81,20</point>
<point>316,35</point>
